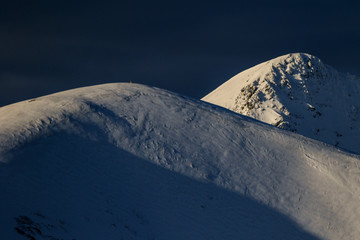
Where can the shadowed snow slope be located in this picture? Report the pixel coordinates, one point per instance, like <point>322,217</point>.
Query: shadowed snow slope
<point>126,161</point>
<point>297,92</point>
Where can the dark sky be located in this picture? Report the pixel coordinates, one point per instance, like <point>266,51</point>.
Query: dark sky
<point>189,47</point>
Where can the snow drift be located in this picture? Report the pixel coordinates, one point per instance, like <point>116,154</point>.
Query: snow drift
<point>297,92</point>
<point>126,161</point>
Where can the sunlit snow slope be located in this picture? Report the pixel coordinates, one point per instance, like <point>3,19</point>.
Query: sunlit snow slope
<point>297,92</point>
<point>126,161</point>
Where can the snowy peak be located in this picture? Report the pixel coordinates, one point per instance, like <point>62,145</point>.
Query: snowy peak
<point>297,92</point>
<point>290,77</point>
<point>300,69</point>
<point>303,64</point>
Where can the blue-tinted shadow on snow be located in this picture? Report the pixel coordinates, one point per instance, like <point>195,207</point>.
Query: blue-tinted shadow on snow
<point>73,188</point>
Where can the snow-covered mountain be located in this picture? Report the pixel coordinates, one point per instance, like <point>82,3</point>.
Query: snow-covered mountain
<point>297,92</point>
<point>126,161</point>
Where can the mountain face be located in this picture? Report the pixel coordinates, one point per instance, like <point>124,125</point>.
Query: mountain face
<point>126,161</point>
<point>297,92</point>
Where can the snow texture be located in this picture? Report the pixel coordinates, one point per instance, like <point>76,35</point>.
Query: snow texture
<point>297,92</point>
<point>126,161</point>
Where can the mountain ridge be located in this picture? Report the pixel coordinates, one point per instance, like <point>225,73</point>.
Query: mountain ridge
<point>135,162</point>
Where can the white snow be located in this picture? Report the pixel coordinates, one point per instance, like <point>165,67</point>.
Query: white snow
<point>297,92</point>
<point>126,161</point>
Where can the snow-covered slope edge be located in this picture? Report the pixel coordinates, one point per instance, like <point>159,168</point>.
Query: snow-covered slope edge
<point>297,92</point>
<point>128,161</point>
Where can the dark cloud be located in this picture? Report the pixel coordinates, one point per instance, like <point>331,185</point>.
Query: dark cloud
<point>189,47</point>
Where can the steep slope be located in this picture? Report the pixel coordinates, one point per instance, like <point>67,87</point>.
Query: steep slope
<point>297,92</point>
<point>126,161</point>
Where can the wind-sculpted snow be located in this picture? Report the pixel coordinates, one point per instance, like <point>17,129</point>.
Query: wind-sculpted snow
<point>126,161</point>
<point>297,92</point>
